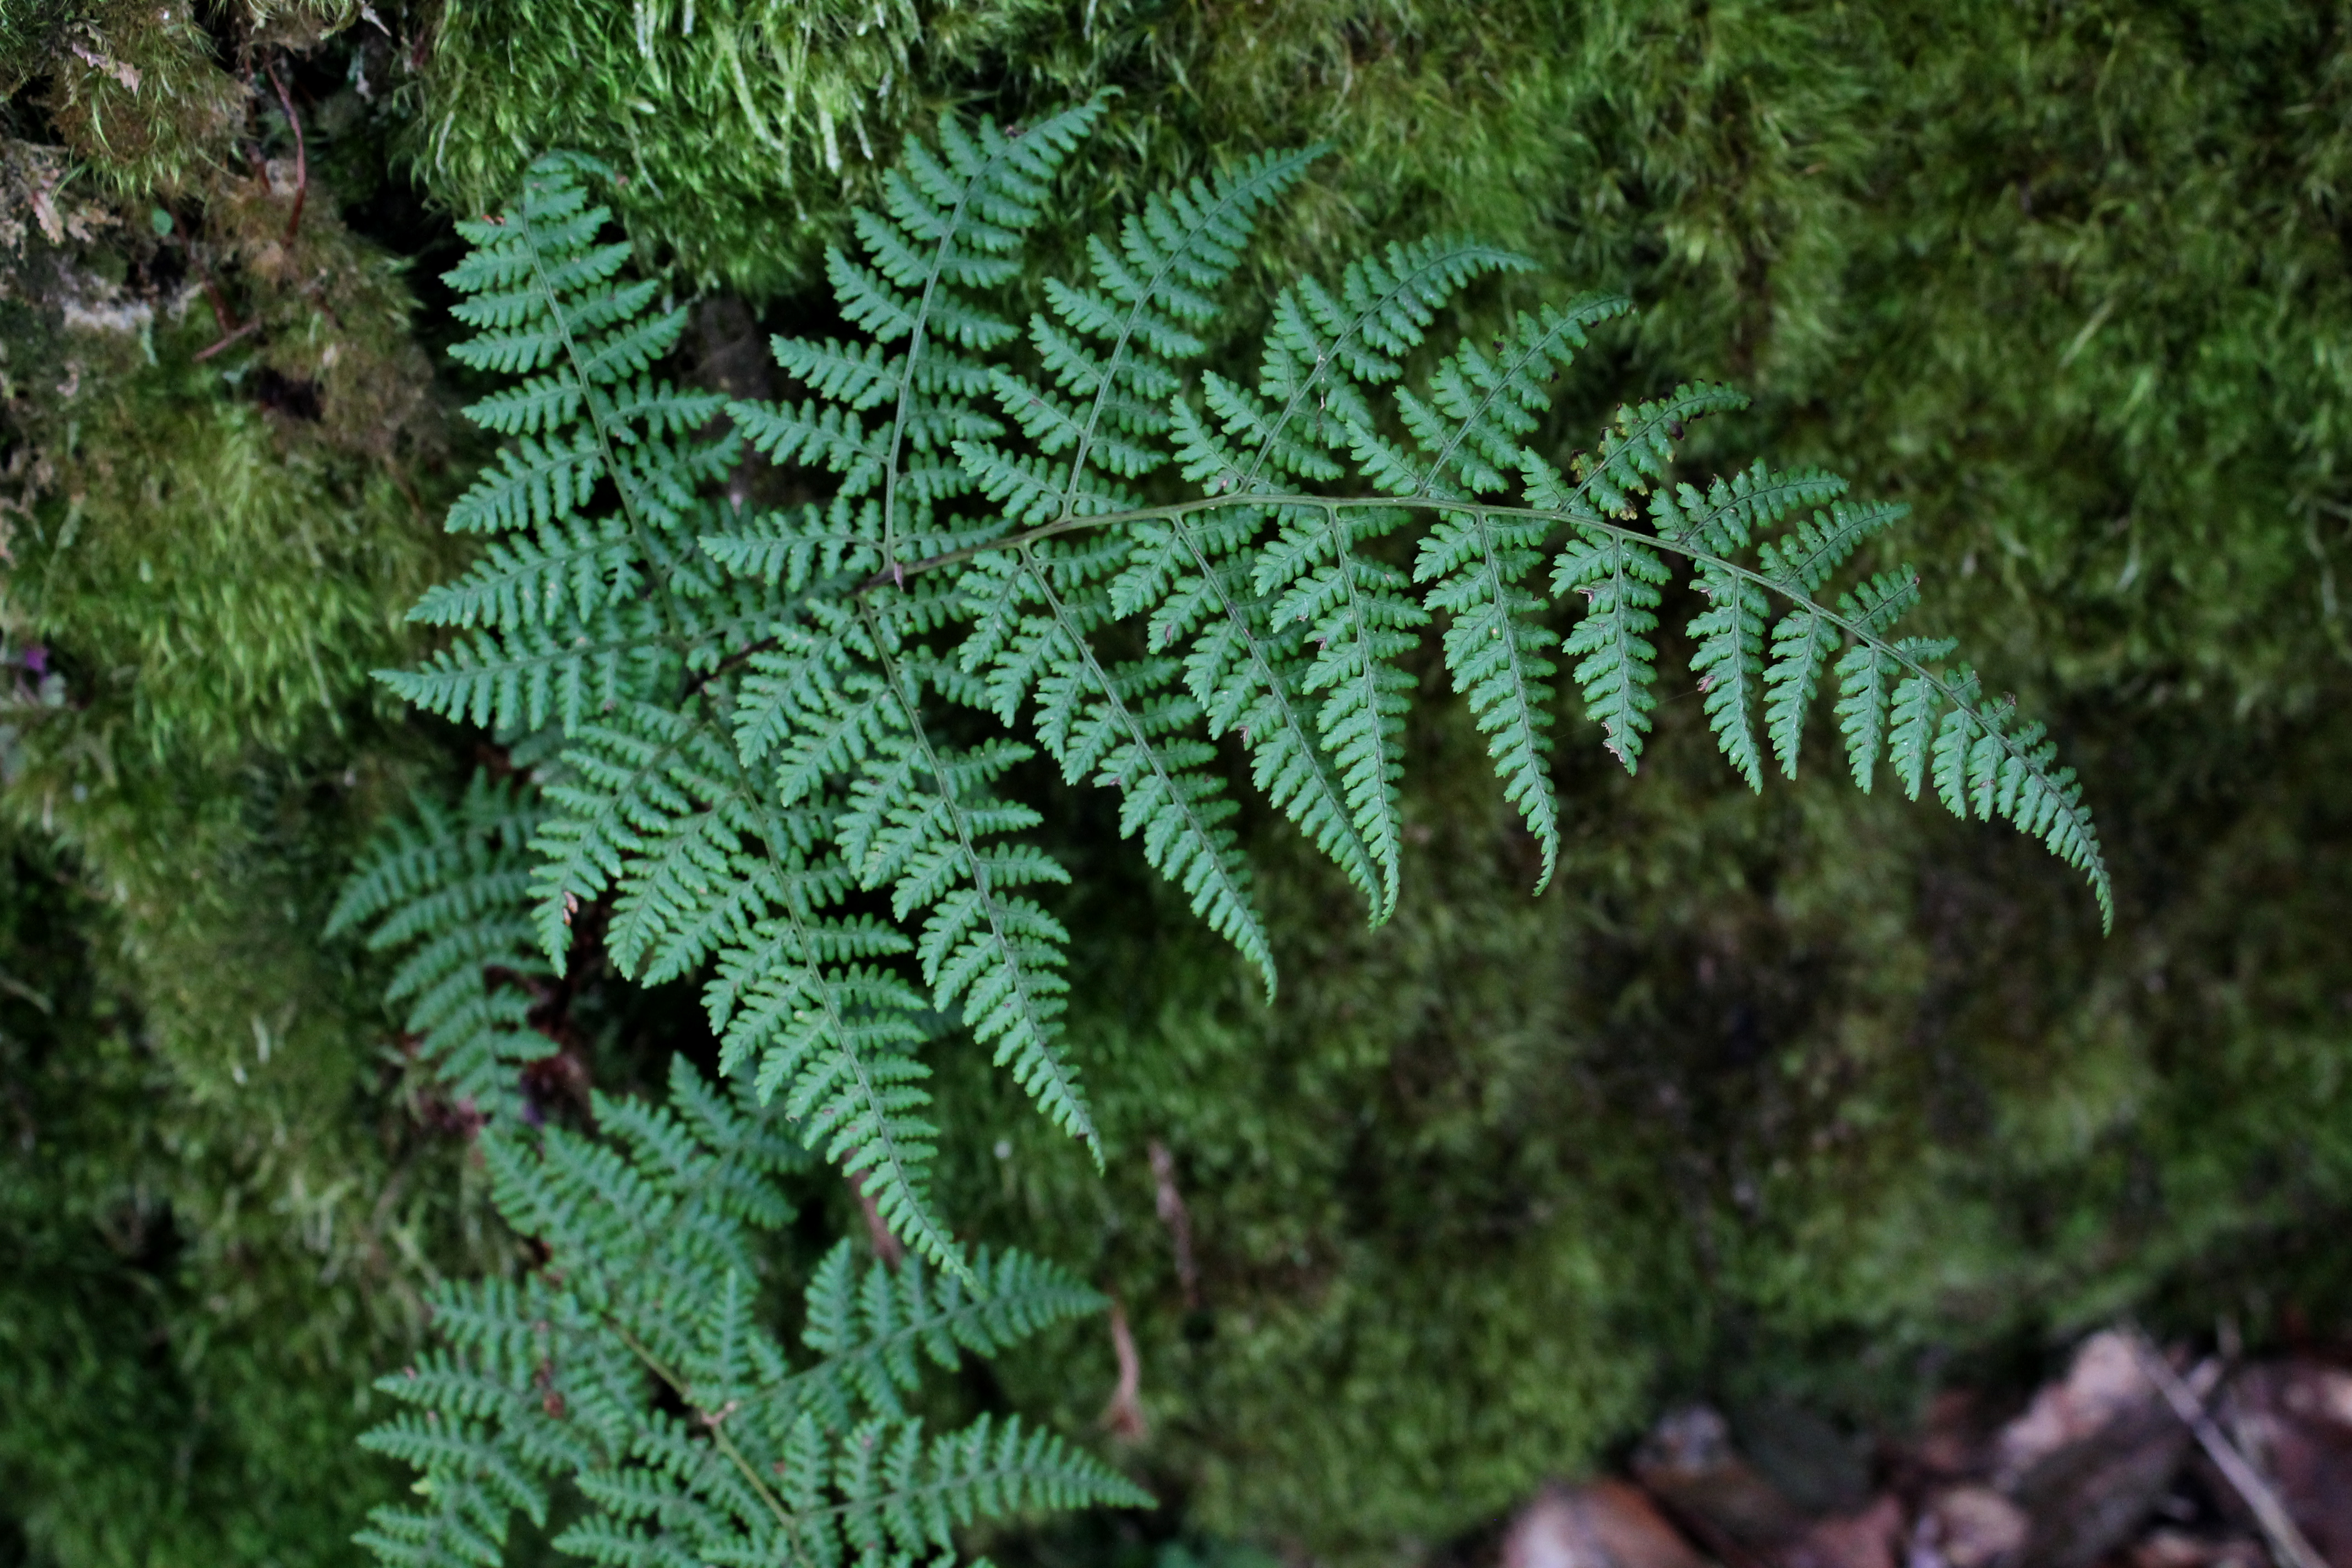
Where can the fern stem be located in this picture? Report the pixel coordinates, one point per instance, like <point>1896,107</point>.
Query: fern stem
<point>716,1425</point>
<point>914,362</point>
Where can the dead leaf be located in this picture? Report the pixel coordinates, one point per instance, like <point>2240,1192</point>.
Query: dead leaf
<point>122,71</point>
<point>1870,1539</point>
<point>1606,1524</point>
<point>2180,1548</point>
<point>1687,1462</point>
<point>2091,1456</point>
<point>2294,1419</point>
<point>1968,1527</point>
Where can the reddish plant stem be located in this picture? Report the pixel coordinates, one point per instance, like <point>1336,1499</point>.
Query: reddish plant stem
<point>301,156</point>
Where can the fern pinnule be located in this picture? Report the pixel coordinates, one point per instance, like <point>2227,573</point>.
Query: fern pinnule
<point>918,821</point>
<point>1323,351</point>
<point>1635,452</point>
<point>1730,663</point>
<point>645,773</point>
<point>1119,723</point>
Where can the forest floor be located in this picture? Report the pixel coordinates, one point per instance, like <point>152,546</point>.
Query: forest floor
<point>2133,1460</point>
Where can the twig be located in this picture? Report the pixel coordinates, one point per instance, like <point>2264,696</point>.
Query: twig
<point>886,1247</point>
<point>2287,1544</point>
<point>207,354</point>
<point>301,156</point>
<point>1169,1204</point>
<point>1124,1417</point>
<point>222,314</point>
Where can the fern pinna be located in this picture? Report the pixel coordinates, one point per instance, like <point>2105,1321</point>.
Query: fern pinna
<point>747,706</point>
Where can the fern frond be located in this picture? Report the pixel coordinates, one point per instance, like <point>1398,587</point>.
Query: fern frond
<point>1356,614</point>
<point>1911,718</point>
<point>1633,453</point>
<point>1722,518</point>
<point>901,1492</point>
<point>835,1036</point>
<point>572,569</point>
<point>1159,277</point>
<point>874,1327</point>
<point>1955,737</point>
<point>1820,544</point>
<point>952,220</point>
<point>1469,436</point>
<point>1321,352</point>
<point>649,1301</point>
<point>462,1526</point>
<point>1186,568</point>
<point>1497,651</point>
<point>1324,348</point>
<point>1802,641</point>
<point>535,675</point>
<point>1470,432</point>
<point>531,483</point>
<point>740,742</point>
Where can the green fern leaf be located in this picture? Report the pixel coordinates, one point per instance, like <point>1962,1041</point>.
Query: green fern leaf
<point>569,570</point>
<point>1619,579</point>
<point>874,1327</point>
<point>649,1284</point>
<point>1956,739</point>
<point>628,784</point>
<point>1911,721</point>
<point>1355,611</point>
<point>1187,569</point>
<point>1802,643</point>
<point>1635,451</point>
<point>1730,663</point>
<point>1119,725</point>
<point>1496,649</point>
<point>918,820</point>
<point>453,891</point>
<point>1722,518</point>
<point>531,483</point>
<point>1820,544</point>
<point>1471,431</point>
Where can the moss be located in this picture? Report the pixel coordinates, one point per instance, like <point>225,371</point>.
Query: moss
<point>201,1281</point>
<point>135,94</point>
<point>1812,1093</point>
<point>796,94</point>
